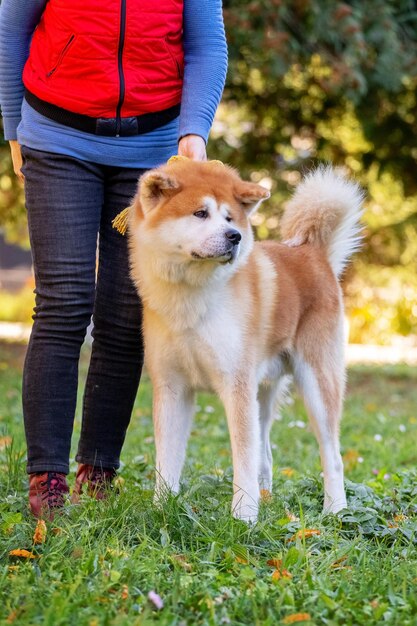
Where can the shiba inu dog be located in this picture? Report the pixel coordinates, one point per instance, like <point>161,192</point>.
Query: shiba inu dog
<point>226,314</point>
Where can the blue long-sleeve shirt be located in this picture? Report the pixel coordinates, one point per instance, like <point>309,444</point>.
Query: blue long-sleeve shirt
<point>205,55</point>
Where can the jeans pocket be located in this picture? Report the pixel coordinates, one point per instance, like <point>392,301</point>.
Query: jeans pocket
<point>24,158</point>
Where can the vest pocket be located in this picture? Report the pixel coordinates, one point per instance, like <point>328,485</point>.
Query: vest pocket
<point>61,56</point>
<point>178,66</point>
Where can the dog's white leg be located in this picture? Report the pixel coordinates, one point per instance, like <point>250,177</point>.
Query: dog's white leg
<point>321,386</point>
<point>266,399</point>
<point>243,420</point>
<point>173,409</point>
<point>270,397</point>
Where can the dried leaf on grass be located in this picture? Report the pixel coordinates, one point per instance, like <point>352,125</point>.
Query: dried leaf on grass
<point>266,495</point>
<point>24,554</point>
<point>5,441</point>
<point>13,615</point>
<point>340,563</point>
<point>304,533</point>
<point>398,519</point>
<point>182,562</point>
<point>291,516</point>
<point>296,617</point>
<point>39,536</point>
<point>281,573</point>
<point>350,459</point>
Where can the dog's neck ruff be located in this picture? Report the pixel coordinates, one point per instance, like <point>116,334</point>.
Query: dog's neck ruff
<point>182,295</point>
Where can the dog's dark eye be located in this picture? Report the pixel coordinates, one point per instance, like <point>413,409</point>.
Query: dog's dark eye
<point>202,214</point>
<point>228,218</point>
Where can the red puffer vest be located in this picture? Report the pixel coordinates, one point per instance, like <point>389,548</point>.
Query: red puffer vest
<point>108,58</point>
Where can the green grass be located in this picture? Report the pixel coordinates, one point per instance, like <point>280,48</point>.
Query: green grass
<point>207,567</point>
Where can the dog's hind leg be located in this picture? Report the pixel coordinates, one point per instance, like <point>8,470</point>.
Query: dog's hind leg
<point>243,420</point>
<point>270,396</point>
<point>173,409</point>
<point>320,380</point>
<point>266,399</point>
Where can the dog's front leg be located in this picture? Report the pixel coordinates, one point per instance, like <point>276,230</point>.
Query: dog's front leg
<point>243,420</point>
<point>173,408</point>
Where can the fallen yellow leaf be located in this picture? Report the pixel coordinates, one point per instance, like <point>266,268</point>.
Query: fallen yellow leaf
<point>125,592</point>
<point>283,573</point>
<point>240,559</point>
<point>304,533</point>
<point>339,561</point>
<point>39,535</point>
<point>182,561</point>
<point>24,554</point>
<point>287,471</point>
<point>266,495</point>
<point>296,617</point>
<point>12,616</point>
<point>291,516</point>
<point>5,441</point>
<point>277,563</point>
<point>350,459</point>
<point>77,552</point>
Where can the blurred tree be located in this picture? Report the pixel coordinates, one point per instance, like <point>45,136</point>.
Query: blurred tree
<point>318,80</point>
<point>314,80</point>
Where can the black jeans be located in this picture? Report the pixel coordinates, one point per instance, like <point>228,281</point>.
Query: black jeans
<point>68,203</point>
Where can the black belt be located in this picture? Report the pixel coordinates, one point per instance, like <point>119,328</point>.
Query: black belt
<point>109,127</point>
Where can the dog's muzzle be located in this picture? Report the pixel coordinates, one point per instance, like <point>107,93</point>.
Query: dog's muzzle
<point>233,236</point>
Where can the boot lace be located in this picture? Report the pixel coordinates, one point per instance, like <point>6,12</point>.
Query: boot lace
<point>101,477</point>
<point>54,488</point>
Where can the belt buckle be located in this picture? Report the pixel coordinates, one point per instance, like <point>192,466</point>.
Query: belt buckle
<point>107,127</point>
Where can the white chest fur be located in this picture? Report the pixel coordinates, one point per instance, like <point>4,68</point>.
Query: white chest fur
<point>207,352</point>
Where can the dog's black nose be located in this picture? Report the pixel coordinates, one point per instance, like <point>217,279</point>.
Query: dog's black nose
<point>234,236</point>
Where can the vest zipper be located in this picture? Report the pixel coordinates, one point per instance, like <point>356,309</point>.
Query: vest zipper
<point>61,56</point>
<point>120,66</point>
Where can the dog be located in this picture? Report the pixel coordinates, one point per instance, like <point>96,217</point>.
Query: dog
<point>225,314</point>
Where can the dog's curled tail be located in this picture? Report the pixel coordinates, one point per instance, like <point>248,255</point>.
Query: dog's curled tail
<point>325,211</point>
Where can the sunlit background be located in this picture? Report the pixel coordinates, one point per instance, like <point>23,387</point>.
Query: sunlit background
<point>308,82</point>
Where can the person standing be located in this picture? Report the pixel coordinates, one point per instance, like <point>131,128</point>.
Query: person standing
<point>92,95</point>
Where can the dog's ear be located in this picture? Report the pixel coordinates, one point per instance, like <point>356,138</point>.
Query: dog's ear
<point>250,195</point>
<point>154,187</point>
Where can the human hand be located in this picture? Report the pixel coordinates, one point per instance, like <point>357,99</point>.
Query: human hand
<point>17,159</point>
<point>193,147</point>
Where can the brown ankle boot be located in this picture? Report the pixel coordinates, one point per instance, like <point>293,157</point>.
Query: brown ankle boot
<point>47,491</point>
<point>98,480</point>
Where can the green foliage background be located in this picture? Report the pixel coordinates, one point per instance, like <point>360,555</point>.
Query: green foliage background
<point>312,81</point>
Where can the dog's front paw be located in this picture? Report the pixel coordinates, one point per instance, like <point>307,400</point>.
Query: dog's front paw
<point>334,505</point>
<point>245,507</point>
<point>163,490</point>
